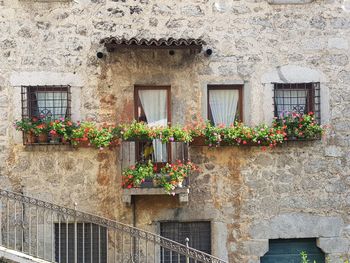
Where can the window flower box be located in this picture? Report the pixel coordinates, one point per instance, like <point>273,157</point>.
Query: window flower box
<point>199,141</point>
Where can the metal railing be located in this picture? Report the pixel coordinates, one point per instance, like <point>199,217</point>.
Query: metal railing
<point>59,234</point>
<point>141,151</point>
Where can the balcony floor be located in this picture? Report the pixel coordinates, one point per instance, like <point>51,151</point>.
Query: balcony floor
<point>181,192</point>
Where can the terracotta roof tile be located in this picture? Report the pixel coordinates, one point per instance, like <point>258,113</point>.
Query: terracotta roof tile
<point>170,43</point>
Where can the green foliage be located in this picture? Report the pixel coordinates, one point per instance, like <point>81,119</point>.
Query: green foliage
<point>26,125</point>
<point>141,131</point>
<point>304,258</point>
<point>101,137</point>
<point>63,127</point>
<point>172,175</point>
<point>169,177</point>
<point>137,174</point>
<point>81,133</point>
<point>300,126</point>
<point>293,126</point>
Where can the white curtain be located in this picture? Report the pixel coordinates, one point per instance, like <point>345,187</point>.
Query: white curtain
<point>223,105</point>
<point>154,104</point>
<point>52,104</point>
<point>288,101</point>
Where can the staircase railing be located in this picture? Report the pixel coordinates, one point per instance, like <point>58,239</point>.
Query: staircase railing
<point>59,234</point>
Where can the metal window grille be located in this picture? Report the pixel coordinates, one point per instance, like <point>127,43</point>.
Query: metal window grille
<point>91,241</point>
<point>297,97</point>
<point>46,102</point>
<point>198,234</point>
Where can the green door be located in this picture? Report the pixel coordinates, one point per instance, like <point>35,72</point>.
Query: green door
<point>288,251</point>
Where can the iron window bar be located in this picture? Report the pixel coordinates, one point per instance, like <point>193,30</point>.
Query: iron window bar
<point>46,102</point>
<point>289,97</point>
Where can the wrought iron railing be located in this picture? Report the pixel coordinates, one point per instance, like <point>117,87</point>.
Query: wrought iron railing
<point>59,234</point>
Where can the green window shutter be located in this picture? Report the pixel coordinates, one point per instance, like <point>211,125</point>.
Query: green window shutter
<point>288,251</point>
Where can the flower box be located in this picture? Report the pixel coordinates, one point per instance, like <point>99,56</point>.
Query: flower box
<point>198,141</point>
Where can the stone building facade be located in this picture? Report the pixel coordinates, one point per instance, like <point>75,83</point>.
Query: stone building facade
<point>298,190</point>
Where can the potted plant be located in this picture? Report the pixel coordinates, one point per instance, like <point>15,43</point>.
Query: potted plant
<point>26,125</point>
<point>137,131</point>
<point>135,175</point>
<point>100,137</point>
<point>41,130</point>
<point>61,130</point>
<point>196,131</point>
<point>299,126</point>
<point>173,175</point>
<point>80,135</point>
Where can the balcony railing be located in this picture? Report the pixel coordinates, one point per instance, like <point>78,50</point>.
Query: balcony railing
<point>59,234</point>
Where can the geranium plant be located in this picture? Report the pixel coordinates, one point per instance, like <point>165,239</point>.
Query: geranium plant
<point>135,175</point>
<point>61,127</point>
<point>101,137</point>
<point>173,175</point>
<point>299,126</point>
<point>26,125</point>
<point>288,126</point>
<point>80,135</point>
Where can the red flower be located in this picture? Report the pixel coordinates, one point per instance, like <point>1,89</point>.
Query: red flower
<point>129,186</point>
<point>244,142</point>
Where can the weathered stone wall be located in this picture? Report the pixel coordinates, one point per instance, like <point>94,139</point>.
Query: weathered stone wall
<point>298,190</point>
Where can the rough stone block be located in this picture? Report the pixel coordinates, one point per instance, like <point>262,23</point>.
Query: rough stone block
<point>333,245</point>
<point>338,43</point>
<point>333,151</point>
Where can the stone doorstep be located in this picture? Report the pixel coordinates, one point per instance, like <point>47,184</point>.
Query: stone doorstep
<point>181,192</point>
<point>19,257</point>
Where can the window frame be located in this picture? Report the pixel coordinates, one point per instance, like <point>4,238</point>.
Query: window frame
<point>312,89</point>
<point>26,101</point>
<point>137,101</point>
<point>238,87</point>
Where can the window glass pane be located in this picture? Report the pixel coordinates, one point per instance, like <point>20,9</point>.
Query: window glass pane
<point>154,106</point>
<point>46,101</point>
<point>52,104</point>
<point>290,100</point>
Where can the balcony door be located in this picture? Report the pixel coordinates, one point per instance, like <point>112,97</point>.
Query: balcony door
<point>152,105</point>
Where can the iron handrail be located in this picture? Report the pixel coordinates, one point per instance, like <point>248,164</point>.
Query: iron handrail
<point>101,221</point>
